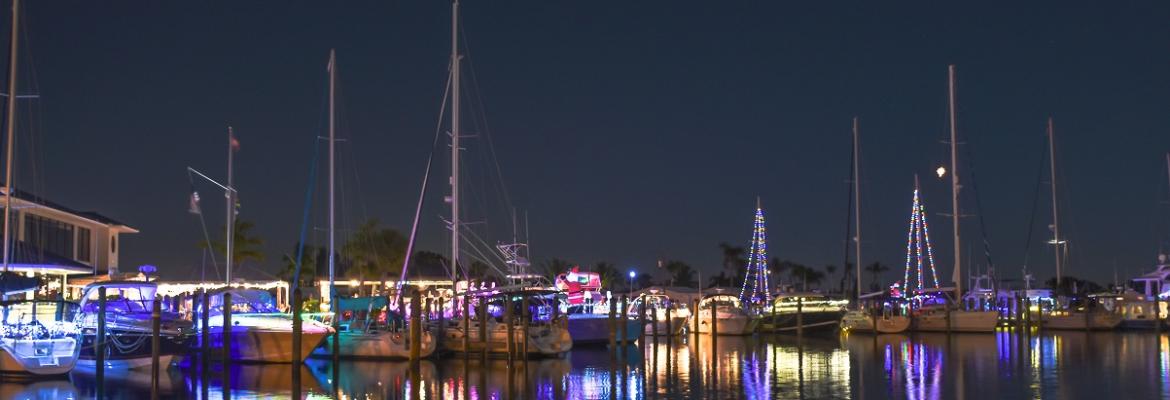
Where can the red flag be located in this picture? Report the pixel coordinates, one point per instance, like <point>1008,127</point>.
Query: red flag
<point>235,143</point>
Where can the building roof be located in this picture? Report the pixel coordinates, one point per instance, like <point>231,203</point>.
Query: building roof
<point>30,258</point>
<point>90,215</point>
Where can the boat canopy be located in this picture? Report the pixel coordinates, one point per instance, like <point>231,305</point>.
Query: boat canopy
<point>362,303</point>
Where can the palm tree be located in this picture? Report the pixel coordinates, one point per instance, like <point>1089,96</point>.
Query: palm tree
<point>733,256</point>
<point>552,267</point>
<point>374,252</point>
<point>308,265</point>
<point>681,274</point>
<point>876,269</point>
<point>607,272</point>
<point>830,269</point>
<point>245,246</point>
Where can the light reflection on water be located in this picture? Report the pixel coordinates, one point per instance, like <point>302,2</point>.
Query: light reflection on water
<point>912,366</point>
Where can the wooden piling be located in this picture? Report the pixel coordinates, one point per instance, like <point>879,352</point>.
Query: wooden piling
<point>155,344</point>
<point>800,317</point>
<point>99,342</point>
<point>642,324</point>
<point>483,325</point>
<point>205,318</point>
<point>227,340</point>
<point>510,322</point>
<point>948,314</point>
<point>525,321</point>
<point>612,324</point>
<point>416,327</point>
<point>1157,314</point>
<point>653,324</point>
<point>297,331</point>
<point>466,325</point>
<point>624,324</point>
<point>695,317</point>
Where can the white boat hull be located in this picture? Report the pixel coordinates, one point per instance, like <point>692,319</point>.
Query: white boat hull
<point>676,326</point>
<point>856,321</point>
<point>262,345</point>
<point>130,363</point>
<point>727,325</point>
<point>1077,321</point>
<point>935,320</point>
<point>381,345</point>
<point>542,341</point>
<point>38,356</point>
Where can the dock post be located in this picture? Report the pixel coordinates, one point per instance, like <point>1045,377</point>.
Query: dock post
<point>227,341</point>
<point>800,317</point>
<point>714,344</point>
<point>772,323</point>
<point>612,325</point>
<point>99,342</point>
<point>642,324</point>
<point>653,325</point>
<point>483,324</point>
<point>695,317</point>
<point>415,328</point>
<point>510,321</point>
<point>205,318</point>
<point>440,328</point>
<point>466,325</point>
<point>297,329</point>
<point>948,315</point>
<point>155,344</point>
<point>624,324</point>
<point>1088,317</point>
<point>1157,314</point>
<point>525,320</point>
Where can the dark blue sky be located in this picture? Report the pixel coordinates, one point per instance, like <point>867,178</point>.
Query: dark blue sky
<point>630,131</point>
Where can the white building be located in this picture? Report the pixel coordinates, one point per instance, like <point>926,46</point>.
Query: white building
<point>56,240</point>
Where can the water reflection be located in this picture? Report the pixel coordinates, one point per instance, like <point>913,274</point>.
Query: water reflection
<point>1006,365</point>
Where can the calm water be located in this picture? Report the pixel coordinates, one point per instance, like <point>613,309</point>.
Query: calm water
<point>1070,365</point>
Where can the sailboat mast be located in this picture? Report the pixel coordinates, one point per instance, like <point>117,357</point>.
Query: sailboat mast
<point>454,138</point>
<point>10,128</point>
<point>1055,218</point>
<point>332,257</point>
<point>857,202</point>
<point>957,273</point>
<point>231,194</point>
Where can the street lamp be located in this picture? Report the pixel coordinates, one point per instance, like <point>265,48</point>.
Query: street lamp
<point>631,287</point>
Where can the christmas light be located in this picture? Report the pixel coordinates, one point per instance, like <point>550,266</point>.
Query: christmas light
<point>916,239</point>
<point>757,266</point>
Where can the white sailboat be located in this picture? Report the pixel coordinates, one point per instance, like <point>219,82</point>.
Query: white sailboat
<point>945,316</point>
<point>36,337</point>
<point>1088,315</point>
<point>546,335</point>
<point>860,319</point>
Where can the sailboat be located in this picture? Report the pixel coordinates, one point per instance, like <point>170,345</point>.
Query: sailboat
<point>36,336</point>
<point>1088,314</point>
<point>938,312</point>
<point>862,319</point>
<point>546,333</point>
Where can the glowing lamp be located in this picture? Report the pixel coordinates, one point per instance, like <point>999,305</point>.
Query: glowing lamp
<point>941,171</point>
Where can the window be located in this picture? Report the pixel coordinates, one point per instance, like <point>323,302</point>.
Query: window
<point>84,252</point>
<point>49,235</point>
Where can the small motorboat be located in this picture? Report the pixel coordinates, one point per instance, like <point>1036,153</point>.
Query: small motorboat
<point>732,319</point>
<point>817,313</point>
<point>667,316</point>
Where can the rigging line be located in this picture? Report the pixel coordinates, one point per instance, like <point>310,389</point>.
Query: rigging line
<point>203,224</point>
<point>426,177</point>
<point>1035,202</point>
<point>483,115</point>
<point>978,206</point>
<point>484,244</point>
<point>312,188</point>
<point>482,257</point>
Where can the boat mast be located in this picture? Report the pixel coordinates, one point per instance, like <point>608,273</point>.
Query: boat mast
<point>454,138</point>
<point>231,203</point>
<point>957,273</point>
<point>332,257</point>
<point>857,203</point>
<point>1055,218</point>
<point>10,128</point>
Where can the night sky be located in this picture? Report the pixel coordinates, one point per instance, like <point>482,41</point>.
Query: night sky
<point>629,131</point>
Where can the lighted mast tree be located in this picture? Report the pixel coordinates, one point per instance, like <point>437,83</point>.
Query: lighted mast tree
<point>756,290</point>
<point>917,239</point>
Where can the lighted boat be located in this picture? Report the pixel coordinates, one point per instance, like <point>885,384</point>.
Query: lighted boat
<point>547,336</point>
<point>1081,314</point>
<point>891,318</point>
<point>260,332</point>
<point>38,337</point>
<point>733,320</point>
<point>817,313</point>
<point>668,311</point>
<point>931,315</point>
<point>368,329</point>
<point>1137,312</point>
<point>129,305</point>
<point>586,309</point>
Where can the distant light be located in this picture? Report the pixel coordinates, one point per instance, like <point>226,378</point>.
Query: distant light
<point>632,274</point>
<point>941,171</point>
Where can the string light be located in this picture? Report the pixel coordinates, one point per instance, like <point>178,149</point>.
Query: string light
<point>916,239</point>
<point>757,266</point>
